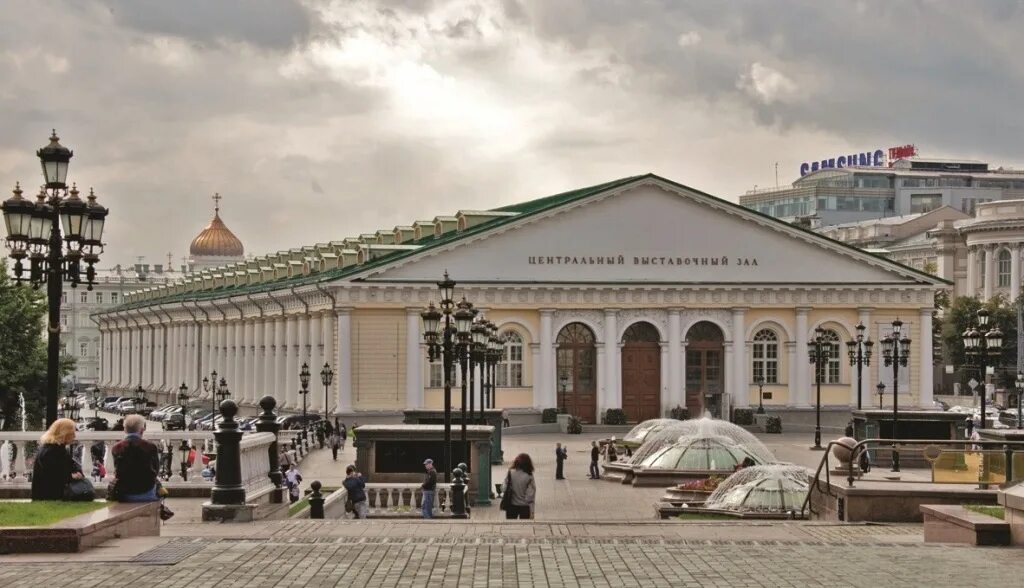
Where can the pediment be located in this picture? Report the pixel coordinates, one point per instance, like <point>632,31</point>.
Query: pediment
<point>648,231</point>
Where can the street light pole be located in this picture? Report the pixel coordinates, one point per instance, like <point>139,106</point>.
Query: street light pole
<point>439,331</point>
<point>980,343</point>
<point>860,356</point>
<point>34,233</point>
<point>326,378</point>
<point>818,351</point>
<point>1020,394</point>
<point>304,381</point>
<point>760,394</point>
<point>881,393</point>
<point>896,351</point>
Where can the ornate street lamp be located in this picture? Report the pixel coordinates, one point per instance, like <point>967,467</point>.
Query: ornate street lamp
<point>34,233</point>
<point>213,397</point>
<point>563,380</point>
<point>183,397</point>
<point>496,351</point>
<point>982,344</point>
<point>896,351</point>
<point>140,399</point>
<point>881,393</point>
<point>860,355</point>
<point>478,355</point>
<point>326,377</point>
<point>464,315</point>
<point>439,332</point>
<point>1020,396</point>
<point>304,376</point>
<point>72,409</point>
<point>819,353</point>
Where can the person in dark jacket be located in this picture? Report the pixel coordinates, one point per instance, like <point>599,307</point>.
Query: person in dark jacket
<point>355,485</point>
<point>560,456</point>
<point>136,463</point>
<point>595,455</point>
<point>54,467</point>
<point>429,488</point>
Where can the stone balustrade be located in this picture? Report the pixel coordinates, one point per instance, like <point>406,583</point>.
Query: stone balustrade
<point>390,499</point>
<point>255,462</point>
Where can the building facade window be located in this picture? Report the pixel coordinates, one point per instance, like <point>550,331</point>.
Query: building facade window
<point>113,297</point>
<point>766,356</point>
<point>99,298</point>
<point>83,297</point>
<point>510,371</point>
<point>83,349</point>
<point>1003,266</point>
<point>435,377</point>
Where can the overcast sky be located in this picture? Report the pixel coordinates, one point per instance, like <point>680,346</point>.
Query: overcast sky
<point>319,120</point>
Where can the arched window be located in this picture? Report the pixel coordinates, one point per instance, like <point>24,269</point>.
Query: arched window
<point>830,371</point>
<point>1003,264</point>
<point>766,356</point>
<point>510,370</point>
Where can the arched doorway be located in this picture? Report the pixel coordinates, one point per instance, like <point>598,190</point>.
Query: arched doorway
<point>705,378</point>
<point>641,372</point>
<point>577,371</point>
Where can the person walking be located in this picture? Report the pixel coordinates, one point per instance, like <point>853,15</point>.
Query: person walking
<point>355,485</point>
<point>560,456</point>
<point>335,442</point>
<point>429,488</point>
<point>522,488</point>
<point>344,435</point>
<point>292,478</point>
<point>595,455</point>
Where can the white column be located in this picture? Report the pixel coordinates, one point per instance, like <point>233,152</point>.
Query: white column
<point>536,367</point>
<point>1014,271</point>
<point>612,363</point>
<point>290,376</point>
<point>147,357</point>
<point>799,392</point>
<point>172,356</point>
<point>675,395</point>
<point>682,370</point>
<point>544,382</point>
<point>741,386</point>
<point>344,363</point>
<point>207,349</point>
<point>245,378</point>
<point>327,332</point>
<point>279,360</point>
<point>972,271</point>
<point>193,355</point>
<point>269,387</point>
<point>239,360</point>
<point>729,376</point>
<point>302,357</point>
<point>990,271</point>
<point>257,383</point>
<point>316,398</point>
<point>926,389</point>
<point>666,394</point>
<point>414,360</point>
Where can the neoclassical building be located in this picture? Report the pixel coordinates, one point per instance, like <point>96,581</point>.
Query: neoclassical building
<point>641,294</point>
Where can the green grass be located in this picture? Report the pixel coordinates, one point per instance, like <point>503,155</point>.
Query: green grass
<point>41,514</point>
<point>706,516</point>
<point>987,509</point>
<point>298,506</point>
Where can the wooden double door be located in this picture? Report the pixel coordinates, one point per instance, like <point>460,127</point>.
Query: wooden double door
<point>705,378</point>
<point>576,364</point>
<point>641,373</point>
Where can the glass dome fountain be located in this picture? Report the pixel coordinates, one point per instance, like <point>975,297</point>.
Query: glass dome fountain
<point>772,488</point>
<point>638,434</point>
<point>657,439</point>
<point>704,452</point>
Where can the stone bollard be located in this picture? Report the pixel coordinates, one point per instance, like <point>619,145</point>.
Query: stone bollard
<point>316,501</point>
<point>267,423</point>
<point>227,488</point>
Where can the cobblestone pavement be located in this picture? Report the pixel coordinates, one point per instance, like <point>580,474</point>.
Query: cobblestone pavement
<point>529,554</point>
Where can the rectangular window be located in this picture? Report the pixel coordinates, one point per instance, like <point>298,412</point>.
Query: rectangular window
<point>83,349</point>
<point>436,379</point>
<point>99,298</point>
<point>113,297</point>
<point>64,297</point>
<point>83,297</point>
<point>924,202</point>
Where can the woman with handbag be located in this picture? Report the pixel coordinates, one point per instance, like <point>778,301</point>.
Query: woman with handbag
<point>520,489</point>
<point>54,469</point>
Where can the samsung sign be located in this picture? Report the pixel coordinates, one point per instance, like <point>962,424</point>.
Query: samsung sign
<point>874,158</point>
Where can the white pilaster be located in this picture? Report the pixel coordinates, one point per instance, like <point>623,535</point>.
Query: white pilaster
<point>344,363</point>
<point>291,367</point>
<point>414,360</point>
<point>926,390</point>
<point>316,398</point>
<point>972,271</point>
<point>327,330</point>
<point>257,383</point>
<point>799,391</point>
<point>269,387</point>
<point>729,376</point>
<point>302,357</point>
<point>612,363</point>
<point>279,361</point>
<point>172,356</point>
<point>741,387</point>
<point>1014,271</point>
<point>544,382</point>
<point>990,271</point>
<point>535,362</point>
<point>675,387</point>
<point>245,378</point>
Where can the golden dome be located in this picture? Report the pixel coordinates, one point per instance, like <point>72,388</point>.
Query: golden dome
<point>216,240</point>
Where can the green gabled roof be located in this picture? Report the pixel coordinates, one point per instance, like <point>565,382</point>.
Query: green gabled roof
<point>524,209</point>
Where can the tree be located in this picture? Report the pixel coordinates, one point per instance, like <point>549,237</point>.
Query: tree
<point>961,314</point>
<point>23,351</point>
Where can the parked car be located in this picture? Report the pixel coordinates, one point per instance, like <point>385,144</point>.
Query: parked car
<point>160,413</point>
<point>174,422</point>
<point>294,421</point>
<point>110,402</point>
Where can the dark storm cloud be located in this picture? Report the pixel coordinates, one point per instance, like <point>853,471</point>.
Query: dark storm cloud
<point>274,24</point>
